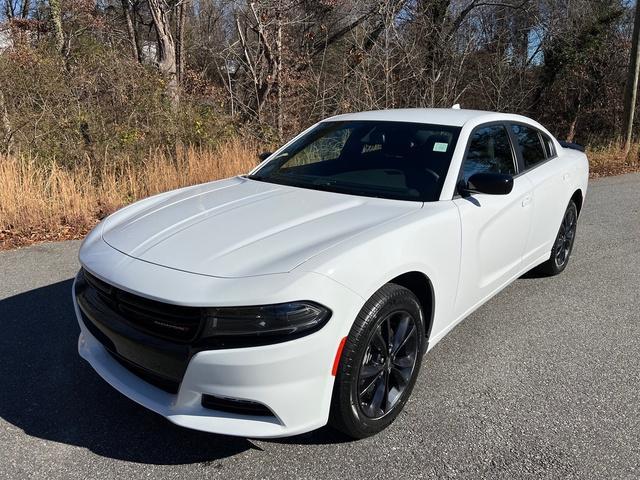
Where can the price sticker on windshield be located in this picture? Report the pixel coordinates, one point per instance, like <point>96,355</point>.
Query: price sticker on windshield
<point>440,147</point>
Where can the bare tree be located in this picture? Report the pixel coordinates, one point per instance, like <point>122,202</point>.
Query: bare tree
<point>166,53</point>
<point>258,57</point>
<point>278,65</point>
<point>17,8</point>
<point>180,44</point>
<point>127,9</point>
<point>631,89</point>
<point>56,20</point>
<point>5,146</point>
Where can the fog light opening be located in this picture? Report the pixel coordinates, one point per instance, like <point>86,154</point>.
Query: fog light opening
<point>236,406</point>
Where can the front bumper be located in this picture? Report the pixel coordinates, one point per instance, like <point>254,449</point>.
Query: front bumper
<point>292,379</point>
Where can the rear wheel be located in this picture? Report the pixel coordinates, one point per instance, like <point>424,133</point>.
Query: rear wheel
<point>563,244</point>
<point>380,363</point>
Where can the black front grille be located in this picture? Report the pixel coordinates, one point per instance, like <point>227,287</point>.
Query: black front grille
<point>172,322</point>
<point>151,339</point>
<point>167,384</point>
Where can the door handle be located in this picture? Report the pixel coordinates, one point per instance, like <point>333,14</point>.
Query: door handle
<point>526,200</point>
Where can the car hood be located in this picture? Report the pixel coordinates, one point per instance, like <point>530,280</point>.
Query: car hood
<point>240,227</point>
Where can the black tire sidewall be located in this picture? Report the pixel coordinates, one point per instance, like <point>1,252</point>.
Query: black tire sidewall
<point>555,269</point>
<point>346,413</point>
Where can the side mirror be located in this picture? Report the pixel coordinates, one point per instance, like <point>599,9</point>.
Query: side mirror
<point>489,183</point>
<point>264,155</point>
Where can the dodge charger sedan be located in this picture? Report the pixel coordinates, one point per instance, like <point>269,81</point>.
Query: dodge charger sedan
<point>308,291</point>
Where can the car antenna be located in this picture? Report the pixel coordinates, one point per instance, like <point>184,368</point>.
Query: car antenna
<point>456,106</point>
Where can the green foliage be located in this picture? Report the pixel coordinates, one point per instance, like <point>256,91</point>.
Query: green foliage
<point>562,63</point>
<point>581,79</point>
<point>97,104</point>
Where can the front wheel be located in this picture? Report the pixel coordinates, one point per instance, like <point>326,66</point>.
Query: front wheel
<point>563,244</point>
<point>379,363</point>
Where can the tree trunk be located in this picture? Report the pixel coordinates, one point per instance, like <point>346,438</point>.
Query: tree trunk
<point>521,38</point>
<point>263,81</point>
<point>6,126</point>
<point>279,72</point>
<point>9,11</point>
<point>13,9</point>
<point>139,44</point>
<point>631,89</point>
<point>56,19</point>
<point>572,126</point>
<point>434,15</point>
<point>166,57</point>
<point>180,50</point>
<point>131,31</point>
<point>26,7</point>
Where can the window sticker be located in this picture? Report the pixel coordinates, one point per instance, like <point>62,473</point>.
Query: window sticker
<point>440,147</point>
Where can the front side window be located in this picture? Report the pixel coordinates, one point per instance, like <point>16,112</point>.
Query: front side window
<point>489,152</point>
<point>395,160</point>
<point>530,145</point>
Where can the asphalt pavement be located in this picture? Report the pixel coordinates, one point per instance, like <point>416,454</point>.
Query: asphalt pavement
<point>541,382</point>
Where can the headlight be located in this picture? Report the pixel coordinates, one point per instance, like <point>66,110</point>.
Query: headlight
<point>283,319</point>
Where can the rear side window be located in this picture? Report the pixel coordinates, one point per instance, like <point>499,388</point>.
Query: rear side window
<point>533,151</point>
<point>549,149</point>
<point>489,151</point>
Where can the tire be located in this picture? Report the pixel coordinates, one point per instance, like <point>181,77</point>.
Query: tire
<point>563,244</point>
<point>361,404</point>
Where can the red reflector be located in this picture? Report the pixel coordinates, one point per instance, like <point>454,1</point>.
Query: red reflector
<point>336,361</point>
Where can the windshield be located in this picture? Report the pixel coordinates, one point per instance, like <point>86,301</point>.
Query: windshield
<point>396,160</point>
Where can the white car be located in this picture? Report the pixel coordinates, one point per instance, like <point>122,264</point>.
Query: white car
<point>308,291</point>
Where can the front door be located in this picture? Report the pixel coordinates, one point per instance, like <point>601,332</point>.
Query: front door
<point>495,228</point>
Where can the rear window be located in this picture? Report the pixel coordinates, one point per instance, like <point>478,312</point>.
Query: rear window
<point>533,152</point>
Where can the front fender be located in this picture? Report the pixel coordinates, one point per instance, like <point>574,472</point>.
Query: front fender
<point>427,241</point>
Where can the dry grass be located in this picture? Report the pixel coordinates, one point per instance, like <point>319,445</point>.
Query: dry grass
<point>612,160</point>
<point>43,204</point>
<point>38,203</point>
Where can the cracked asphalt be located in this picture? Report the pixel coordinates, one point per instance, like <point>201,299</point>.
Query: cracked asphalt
<point>541,382</point>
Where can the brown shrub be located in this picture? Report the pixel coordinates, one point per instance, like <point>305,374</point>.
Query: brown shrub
<point>39,202</point>
<point>612,160</point>
<point>50,202</point>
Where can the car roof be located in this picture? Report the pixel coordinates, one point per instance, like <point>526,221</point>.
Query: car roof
<point>438,116</point>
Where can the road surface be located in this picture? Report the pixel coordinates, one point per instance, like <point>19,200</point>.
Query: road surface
<point>541,382</point>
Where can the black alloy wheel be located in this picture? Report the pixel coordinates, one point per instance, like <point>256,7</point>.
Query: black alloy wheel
<point>388,364</point>
<point>566,236</point>
<point>563,244</point>
<point>380,362</point>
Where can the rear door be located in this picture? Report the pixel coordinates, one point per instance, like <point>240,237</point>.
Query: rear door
<point>539,164</point>
<point>495,228</point>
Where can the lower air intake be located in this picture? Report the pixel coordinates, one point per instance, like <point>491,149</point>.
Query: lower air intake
<point>238,407</point>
